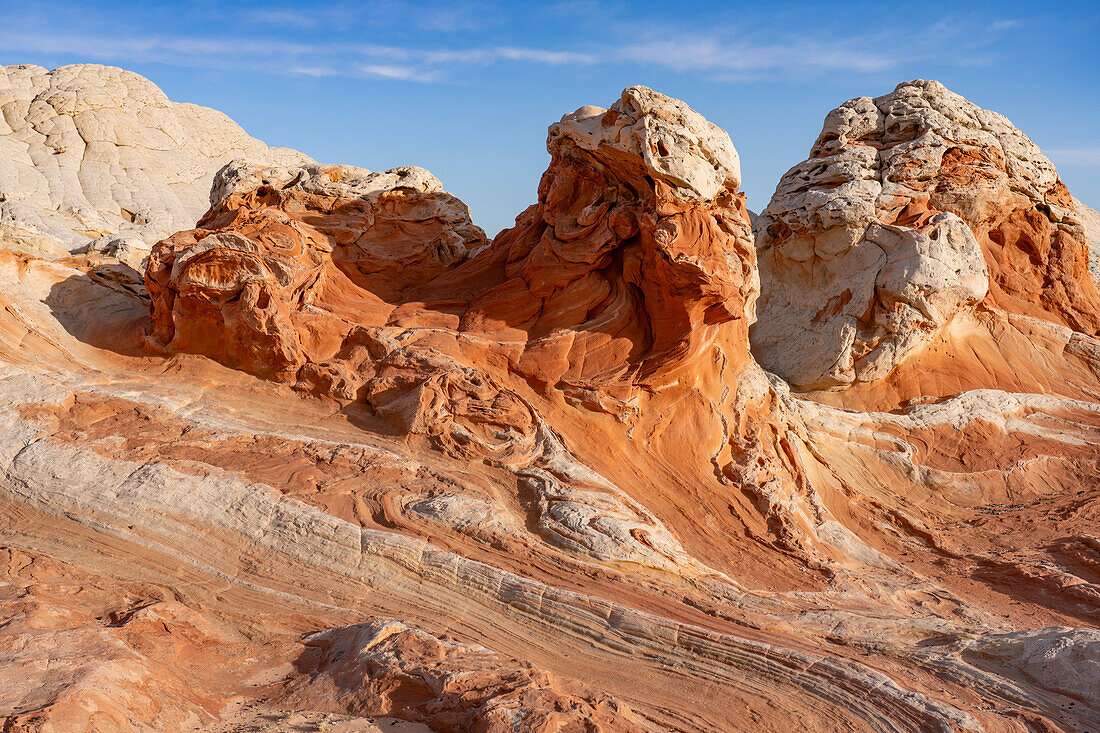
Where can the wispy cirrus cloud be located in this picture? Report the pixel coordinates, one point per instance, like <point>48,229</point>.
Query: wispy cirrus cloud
<point>282,18</point>
<point>755,50</point>
<point>714,53</point>
<point>393,71</point>
<point>283,57</point>
<point>1075,157</point>
<point>552,58</point>
<point>457,18</point>
<point>743,52</point>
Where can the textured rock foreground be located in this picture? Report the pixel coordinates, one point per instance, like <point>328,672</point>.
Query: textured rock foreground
<point>327,454</point>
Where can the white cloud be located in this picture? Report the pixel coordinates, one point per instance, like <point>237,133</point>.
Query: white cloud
<point>553,58</point>
<point>392,71</point>
<point>316,72</point>
<point>711,53</point>
<point>282,18</point>
<point>296,59</point>
<point>724,53</point>
<point>1079,157</point>
<point>455,19</point>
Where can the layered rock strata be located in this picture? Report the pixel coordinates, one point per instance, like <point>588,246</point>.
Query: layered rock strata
<point>340,457</point>
<point>635,267</point>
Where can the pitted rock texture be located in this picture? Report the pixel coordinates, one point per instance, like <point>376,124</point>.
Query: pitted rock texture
<point>1090,217</point>
<point>89,150</point>
<point>674,143</point>
<point>385,667</point>
<point>538,483</point>
<point>271,278</point>
<point>837,309</point>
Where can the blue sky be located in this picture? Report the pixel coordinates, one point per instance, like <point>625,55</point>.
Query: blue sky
<point>467,89</point>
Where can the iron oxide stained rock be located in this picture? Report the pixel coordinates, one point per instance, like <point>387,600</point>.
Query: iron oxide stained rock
<point>542,481</point>
<point>912,207</point>
<point>639,246</point>
<point>288,261</point>
<point>376,288</point>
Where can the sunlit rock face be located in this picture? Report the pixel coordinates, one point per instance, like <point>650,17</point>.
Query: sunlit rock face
<point>638,248</point>
<point>332,455</point>
<point>912,207</point>
<point>250,285</point>
<point>635,271</point>
<point>90,150</point>
<point>1090,218</point>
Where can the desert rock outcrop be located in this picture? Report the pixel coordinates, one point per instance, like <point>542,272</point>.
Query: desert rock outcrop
<point>338,456</point>
<point>639,246</point>
<point>288,262</point>
<point>1090,217</point>
<point>385,666</point>
<point>376,288</point>
<point>911,207</point>
<point>94,150</point>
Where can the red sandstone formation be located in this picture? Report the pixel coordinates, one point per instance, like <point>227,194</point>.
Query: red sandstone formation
<point>389,668</point>
<point>541,483</point>
<point>288,261</point>
<point>638,248</point>
<point>619,274</point>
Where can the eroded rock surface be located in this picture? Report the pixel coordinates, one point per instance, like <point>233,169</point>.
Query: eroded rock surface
<point>376,288</point>
<point>89,150</point>
<point>287,261</point>
<point>387,667</point>
<point>339,457</point>
<point>911,207</point>
<point>1090,218</point>
<point>639,246</point>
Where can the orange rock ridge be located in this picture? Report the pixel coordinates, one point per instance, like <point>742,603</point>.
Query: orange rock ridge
<point>542,483</point>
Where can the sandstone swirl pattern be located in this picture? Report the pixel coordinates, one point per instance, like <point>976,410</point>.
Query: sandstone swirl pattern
<point>332,454</point>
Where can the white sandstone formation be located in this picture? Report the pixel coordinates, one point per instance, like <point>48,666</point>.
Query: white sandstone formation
<point>126,249</point>
<point>1090,217</point>
<point>677,145</point>
<point>870,246</point>
<point>89,150</point>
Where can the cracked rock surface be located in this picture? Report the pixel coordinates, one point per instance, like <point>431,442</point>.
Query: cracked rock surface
<point>93,150</point>
<point>325,458</point>
<point>843,303</point>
